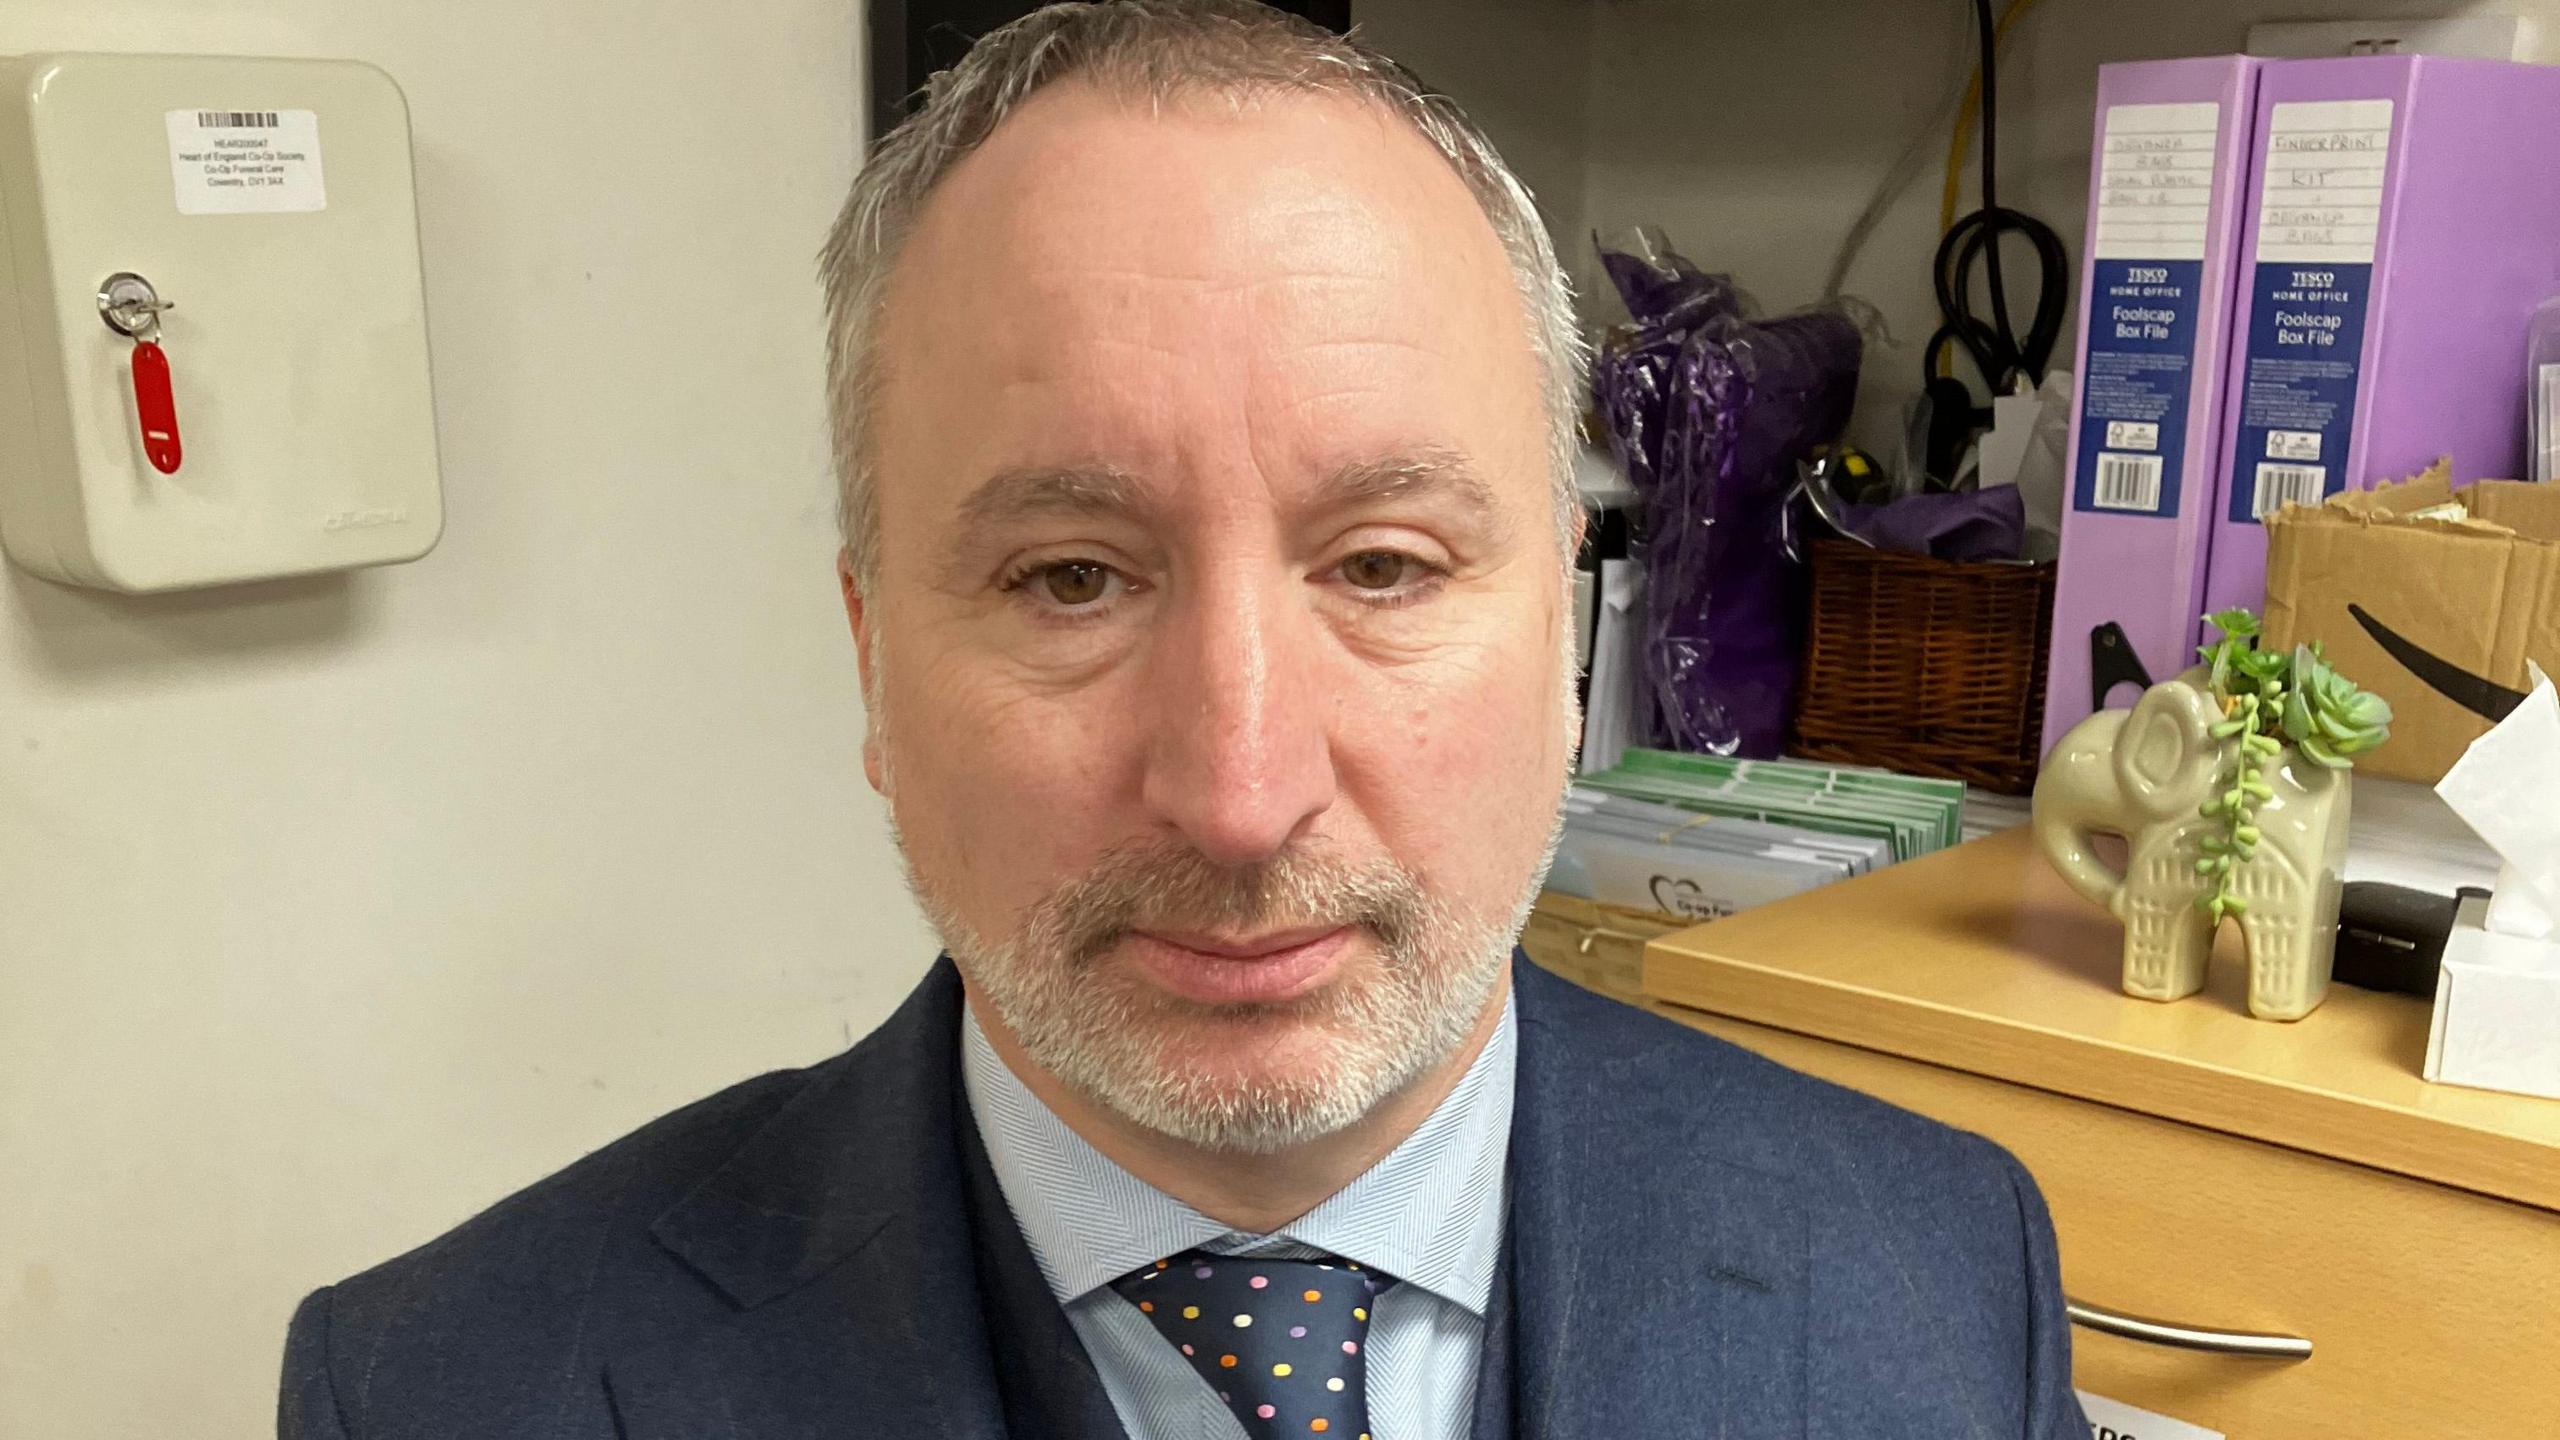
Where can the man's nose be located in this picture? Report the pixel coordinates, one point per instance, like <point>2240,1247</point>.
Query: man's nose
<point>1240,759</point>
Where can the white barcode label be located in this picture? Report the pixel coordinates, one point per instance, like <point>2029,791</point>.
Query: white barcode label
<point>246,162</point>
<point>2279,485</point>
<point>2293,444</point>
<point>2115,1420</point>
<point>2132,435</point>
<point>2128,482</point>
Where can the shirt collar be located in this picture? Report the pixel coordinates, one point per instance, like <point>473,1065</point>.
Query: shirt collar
<point>1430,1213</point>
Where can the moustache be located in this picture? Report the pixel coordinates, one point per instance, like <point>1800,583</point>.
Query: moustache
<point>1174,887</point>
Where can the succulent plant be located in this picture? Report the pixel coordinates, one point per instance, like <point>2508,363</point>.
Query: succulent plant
<point>2327,717</point>
<point>2271,699</point>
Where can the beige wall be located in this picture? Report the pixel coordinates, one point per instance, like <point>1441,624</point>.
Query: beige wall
<point>1519,66</point>
<point>330,912</point>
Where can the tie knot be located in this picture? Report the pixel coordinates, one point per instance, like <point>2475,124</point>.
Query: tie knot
<point>1283,1342</point>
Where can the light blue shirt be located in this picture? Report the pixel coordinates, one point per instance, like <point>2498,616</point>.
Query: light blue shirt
<point>1429,1214</point>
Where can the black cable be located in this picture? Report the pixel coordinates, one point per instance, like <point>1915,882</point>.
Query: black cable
<point>1995,347</point>
<point>1990,40</point>
<point>1998,353</point>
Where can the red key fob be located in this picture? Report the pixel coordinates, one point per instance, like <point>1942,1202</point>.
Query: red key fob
<point>158,406</point>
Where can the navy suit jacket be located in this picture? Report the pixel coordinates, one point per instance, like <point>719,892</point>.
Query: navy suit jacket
<point>1702,1244</point>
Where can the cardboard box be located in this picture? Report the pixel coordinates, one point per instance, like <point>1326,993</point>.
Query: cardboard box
<point>2435,612</point>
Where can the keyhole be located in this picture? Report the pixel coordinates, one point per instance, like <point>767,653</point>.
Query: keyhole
<point>131,306</point>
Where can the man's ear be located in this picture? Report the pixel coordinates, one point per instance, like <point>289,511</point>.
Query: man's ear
<point>874,764</point>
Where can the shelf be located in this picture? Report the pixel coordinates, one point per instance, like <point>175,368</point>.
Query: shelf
<point>1978,959</point>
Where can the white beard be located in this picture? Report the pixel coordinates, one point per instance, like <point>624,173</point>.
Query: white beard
<point>1118,1042</point>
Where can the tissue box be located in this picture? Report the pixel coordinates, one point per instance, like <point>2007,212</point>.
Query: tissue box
<point>2436,615</point>
<point>2497,1021</point>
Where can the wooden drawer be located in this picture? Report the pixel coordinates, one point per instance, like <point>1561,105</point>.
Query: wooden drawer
<point>2431,1309</point>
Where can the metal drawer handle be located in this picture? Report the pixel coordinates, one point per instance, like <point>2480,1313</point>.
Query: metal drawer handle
<point>1594,934</point>
<point>2187,1337</point>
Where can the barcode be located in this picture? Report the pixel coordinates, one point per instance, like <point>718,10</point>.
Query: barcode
<point>236,119</point>
<point>2279,485</point>
<point>2128,482</point>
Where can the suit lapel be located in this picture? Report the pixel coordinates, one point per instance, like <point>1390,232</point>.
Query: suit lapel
<point>1653,1285</point>
<point>1659,1286</point>
<point>841,1234</point>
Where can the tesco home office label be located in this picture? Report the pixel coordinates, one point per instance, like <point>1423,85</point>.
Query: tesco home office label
<point>244,162</point>
<point>2134,399</point>
<point>2306,345</point>
<point>2319,224</point>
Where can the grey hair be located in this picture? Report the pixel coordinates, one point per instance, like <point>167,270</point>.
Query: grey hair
<point>1157,49</point>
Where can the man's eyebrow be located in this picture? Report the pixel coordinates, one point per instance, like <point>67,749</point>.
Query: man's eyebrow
<point>1075,490</point>
<point>1430,473</point>
<point>1416,473</point>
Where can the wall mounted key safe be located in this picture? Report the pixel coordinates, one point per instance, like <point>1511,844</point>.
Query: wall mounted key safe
<point>213,343</point>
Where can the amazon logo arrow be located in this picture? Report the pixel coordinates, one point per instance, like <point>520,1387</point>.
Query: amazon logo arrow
<point>2478,694</point>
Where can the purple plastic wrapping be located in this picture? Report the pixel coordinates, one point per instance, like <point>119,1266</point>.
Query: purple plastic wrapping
<point>1709,410</point>
<point>1970,526</point>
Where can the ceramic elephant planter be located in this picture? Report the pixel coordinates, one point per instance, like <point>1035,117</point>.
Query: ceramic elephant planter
<point>2143,774</point>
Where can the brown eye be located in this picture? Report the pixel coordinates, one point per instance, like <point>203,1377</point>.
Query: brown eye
<point>1075,582</point>
<point>1375,569</point>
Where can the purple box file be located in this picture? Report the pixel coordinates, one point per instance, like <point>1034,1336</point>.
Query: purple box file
<point>2168,184</point>
<point>2404,222</point>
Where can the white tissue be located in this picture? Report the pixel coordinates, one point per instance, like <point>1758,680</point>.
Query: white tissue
<point>2507,787</point>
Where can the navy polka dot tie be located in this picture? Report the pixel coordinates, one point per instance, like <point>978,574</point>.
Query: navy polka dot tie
<point>1283,1342</point>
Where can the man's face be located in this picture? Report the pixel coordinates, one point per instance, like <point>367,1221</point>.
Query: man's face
<point>1218,640</point>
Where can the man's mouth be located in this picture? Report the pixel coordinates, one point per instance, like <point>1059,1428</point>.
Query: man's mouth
<point>1241,948</point>
<point>1211,969</point>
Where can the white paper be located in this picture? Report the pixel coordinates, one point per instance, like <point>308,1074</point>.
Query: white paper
<point>2320,188</point>
<point>1586,607</point>
<point>2516,907</point>
<point>2503,788</point>
<point>2115,1420</point>
<point>2546,429</point>
<point>1616,666</point>
<point>244,162</point>
<point>2402,833</point>
<point>2155,181</point>
<point>1694,884</point>
<point>2013,423</point>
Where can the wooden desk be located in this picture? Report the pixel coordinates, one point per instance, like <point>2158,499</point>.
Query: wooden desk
<point>2203,1167</point>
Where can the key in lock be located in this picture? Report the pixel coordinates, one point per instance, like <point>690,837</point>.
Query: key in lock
<point>132,308</point>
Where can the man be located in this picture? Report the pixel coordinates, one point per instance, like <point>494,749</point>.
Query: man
<point>1204,396</point>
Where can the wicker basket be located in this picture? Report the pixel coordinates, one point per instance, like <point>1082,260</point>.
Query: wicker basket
<point>1925,666</point>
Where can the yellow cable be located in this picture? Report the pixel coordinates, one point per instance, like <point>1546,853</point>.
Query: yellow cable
<point>1962,140</point>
